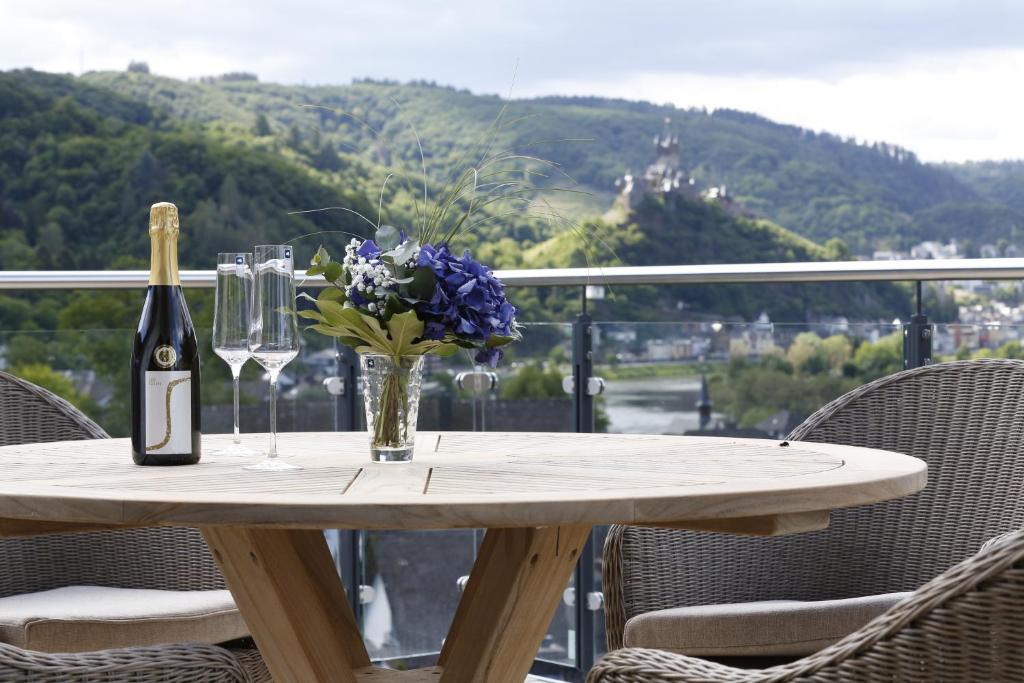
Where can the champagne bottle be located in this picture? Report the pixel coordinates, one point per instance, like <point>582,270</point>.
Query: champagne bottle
<point>165,408</point>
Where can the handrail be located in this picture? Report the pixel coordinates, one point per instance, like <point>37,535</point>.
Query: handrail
<point>730,273</point>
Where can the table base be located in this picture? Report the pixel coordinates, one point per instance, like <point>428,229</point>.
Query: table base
<point>287,588</point>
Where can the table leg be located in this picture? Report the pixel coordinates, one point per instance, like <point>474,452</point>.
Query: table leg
<point>287,588</point>
<point>516,583</point>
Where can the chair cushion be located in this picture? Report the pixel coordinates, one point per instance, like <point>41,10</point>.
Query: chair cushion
<point>771,627</point>
<point>86,618</point>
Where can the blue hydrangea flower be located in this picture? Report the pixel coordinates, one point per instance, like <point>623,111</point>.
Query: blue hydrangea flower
<point>468,301</point>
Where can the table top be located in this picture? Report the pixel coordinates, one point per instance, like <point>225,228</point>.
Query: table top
<point>456,480</point>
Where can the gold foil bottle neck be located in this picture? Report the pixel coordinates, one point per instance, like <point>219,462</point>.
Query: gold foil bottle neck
<point>163,220</point>
<point>163,238</point>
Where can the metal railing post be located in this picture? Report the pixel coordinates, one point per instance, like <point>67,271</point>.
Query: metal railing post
<point>346,407</point>
<point>586,648</point>
<point>917,336</point>
<point>582,368</point>
<point>583,412</point>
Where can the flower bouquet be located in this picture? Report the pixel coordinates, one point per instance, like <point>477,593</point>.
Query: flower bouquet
<point>394,299</point>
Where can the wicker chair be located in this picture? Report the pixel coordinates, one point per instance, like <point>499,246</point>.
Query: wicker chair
<point>966,419</point>
<point>157,558</point>
<point>966,625</point>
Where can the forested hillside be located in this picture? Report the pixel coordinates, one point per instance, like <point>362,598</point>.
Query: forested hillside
<point>80,167</point>
<point>816,184</point>
<point>673,230</point>
<point>80,164</point>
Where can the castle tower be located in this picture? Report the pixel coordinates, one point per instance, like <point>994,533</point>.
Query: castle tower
<point>665,176</point>
<point>667,147</point>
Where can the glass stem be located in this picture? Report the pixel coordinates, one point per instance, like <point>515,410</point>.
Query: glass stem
<point>235,372</point>
<point>273,416</point>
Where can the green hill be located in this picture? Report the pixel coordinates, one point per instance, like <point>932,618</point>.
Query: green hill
<point>1000,214</point>
<point>82,159</point>
<point>816,184</point>
<point>673,230</point>
<point>79,168</point>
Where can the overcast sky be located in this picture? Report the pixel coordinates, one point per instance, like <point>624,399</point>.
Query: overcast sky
<point>941,78</point>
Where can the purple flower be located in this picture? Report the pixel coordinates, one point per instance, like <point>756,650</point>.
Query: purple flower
<point>468,301</point>
<point>368,250</point>
<point>489,356</point>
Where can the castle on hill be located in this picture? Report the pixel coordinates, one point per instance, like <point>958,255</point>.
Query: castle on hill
<point>667,176</point>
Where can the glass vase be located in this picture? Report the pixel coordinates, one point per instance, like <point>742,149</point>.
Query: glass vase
<point>391,395</point>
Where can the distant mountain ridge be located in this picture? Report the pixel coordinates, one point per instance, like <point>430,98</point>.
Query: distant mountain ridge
<point>816,184</point>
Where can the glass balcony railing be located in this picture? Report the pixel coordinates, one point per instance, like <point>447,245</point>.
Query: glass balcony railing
<point>757,378</point>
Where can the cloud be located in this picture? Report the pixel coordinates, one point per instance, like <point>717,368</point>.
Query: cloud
<point>933,76</point>
<point>945,109</point>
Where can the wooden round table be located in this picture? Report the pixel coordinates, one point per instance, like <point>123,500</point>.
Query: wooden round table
<point>537,494</point>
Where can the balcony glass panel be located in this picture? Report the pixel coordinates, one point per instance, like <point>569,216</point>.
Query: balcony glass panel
<point>414,576</point>
<point>762,379</point>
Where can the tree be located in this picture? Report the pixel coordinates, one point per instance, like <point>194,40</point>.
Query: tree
<point>262,126</point>
<point>803,351</point>
<point>884,357</point>
<point>327,159</point>
<point>138,67</point>
<point>1011,349</point>
<point>294,137</point>
<point>836,350</point>
<point>50,245</point>
<point>43,375</point>
<point>533,381</point>
<point>836,250</point>
<point>15,252</point>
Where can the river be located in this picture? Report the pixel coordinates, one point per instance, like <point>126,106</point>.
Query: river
<point>655,405</point>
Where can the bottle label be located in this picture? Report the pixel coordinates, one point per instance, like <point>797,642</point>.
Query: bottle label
<point>168,412</point>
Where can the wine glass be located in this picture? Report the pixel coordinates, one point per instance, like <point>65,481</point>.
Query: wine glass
<point>232,315</point>
<point>274,333</point>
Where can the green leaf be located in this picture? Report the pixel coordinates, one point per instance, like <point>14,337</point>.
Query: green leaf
<point>285,310</point>
<point>314,270</point>
<point>332,294</point>
<point>438,348</point>
<point>368,328</point>
<point>351,323</point>
<point>354,342</point>
<point>387,237</point>
<point>445,350</point>
<point>348,340</point>
<point>310,314</point>
<point>332,310</point>
<point>332,271</point>
<point>393,306</point>
<point>403,329</point>
<point>403,252</point>
<point>327,330</point>
<point>496,340</point>
<point>423,283</point>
